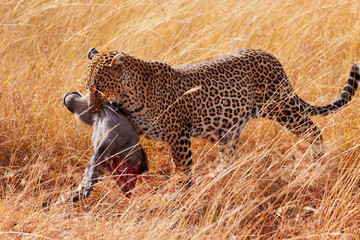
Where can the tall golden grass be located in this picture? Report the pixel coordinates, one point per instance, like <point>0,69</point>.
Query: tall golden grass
<point>272,189</point>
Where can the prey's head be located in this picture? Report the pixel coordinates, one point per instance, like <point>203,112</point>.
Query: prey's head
<point>78,104</point>
<point>74,102</point>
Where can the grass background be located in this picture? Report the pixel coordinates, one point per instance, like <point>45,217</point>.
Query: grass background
<point>275,191</point>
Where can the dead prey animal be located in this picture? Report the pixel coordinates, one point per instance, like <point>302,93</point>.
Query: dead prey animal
<point>116,145</point>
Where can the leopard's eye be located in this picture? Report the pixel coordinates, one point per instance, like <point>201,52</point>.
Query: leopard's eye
<point>98,91</point>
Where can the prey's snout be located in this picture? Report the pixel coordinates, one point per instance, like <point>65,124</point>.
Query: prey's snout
<point>68,98</point>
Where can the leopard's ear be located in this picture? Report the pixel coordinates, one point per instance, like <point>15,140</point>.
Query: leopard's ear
<point>117,63</point>
<point>92,52</point>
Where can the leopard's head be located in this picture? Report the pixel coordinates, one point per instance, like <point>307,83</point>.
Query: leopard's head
<point>105,79</point>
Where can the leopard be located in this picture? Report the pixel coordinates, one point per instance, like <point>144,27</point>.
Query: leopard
<point>211,100</point>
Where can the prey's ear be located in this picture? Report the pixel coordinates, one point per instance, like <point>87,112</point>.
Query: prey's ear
<point>92,52</point>
<point>117,63</point>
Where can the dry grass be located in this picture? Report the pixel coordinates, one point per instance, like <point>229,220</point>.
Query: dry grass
<point>275,191</point>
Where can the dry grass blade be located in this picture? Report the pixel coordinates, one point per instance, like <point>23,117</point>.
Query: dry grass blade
<point>272,189</point>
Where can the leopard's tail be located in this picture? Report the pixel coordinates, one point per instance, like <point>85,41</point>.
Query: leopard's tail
<point>344,98</point>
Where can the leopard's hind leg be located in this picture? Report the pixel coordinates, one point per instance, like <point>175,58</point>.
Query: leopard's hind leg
<point>302,126</point>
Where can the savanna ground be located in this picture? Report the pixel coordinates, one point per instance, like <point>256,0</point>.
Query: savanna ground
<point>272,190</point>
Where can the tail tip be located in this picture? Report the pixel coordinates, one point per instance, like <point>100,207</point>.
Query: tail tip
<point>355,71</point>
<point>356,67</point>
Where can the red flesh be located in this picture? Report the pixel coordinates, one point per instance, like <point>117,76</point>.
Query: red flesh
<point>125,174</point>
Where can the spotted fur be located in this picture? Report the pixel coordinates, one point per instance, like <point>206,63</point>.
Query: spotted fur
<point>240,86</point>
